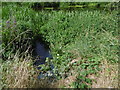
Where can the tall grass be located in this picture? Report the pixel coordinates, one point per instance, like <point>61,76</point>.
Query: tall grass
<point>17,72</point>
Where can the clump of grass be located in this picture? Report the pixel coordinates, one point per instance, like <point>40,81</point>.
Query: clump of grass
<point>18,72</point>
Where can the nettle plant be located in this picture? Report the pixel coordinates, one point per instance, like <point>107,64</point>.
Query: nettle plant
<point>85,67</point>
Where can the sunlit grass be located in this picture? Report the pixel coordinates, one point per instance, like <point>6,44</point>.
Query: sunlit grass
<point>90,37</point>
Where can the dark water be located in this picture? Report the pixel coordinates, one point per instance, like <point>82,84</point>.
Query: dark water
<point>42,52</point>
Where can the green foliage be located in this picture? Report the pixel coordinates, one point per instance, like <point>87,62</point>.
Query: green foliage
<point>86,35</point>
<point>64,5</point>
<point>80,83</point>
<point>85,68</point>
<point>91,35</point>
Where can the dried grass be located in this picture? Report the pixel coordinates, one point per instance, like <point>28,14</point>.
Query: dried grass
<point>20,73</point>
<point>107,78</point>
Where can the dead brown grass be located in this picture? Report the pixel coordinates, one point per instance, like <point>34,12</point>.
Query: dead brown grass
<point>66,82</point>
<point>107,78</point>
<point>20,73</point>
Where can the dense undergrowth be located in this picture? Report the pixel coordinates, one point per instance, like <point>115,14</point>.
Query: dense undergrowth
<point>91,36</point>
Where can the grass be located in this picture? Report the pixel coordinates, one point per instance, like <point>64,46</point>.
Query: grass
<point>20,73</point>
<point>80,42</point>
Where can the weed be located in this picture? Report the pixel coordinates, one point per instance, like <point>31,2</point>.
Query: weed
<point>90,35</point>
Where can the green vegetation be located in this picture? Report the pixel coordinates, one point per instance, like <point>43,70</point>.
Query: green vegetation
<point>86,36</point>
